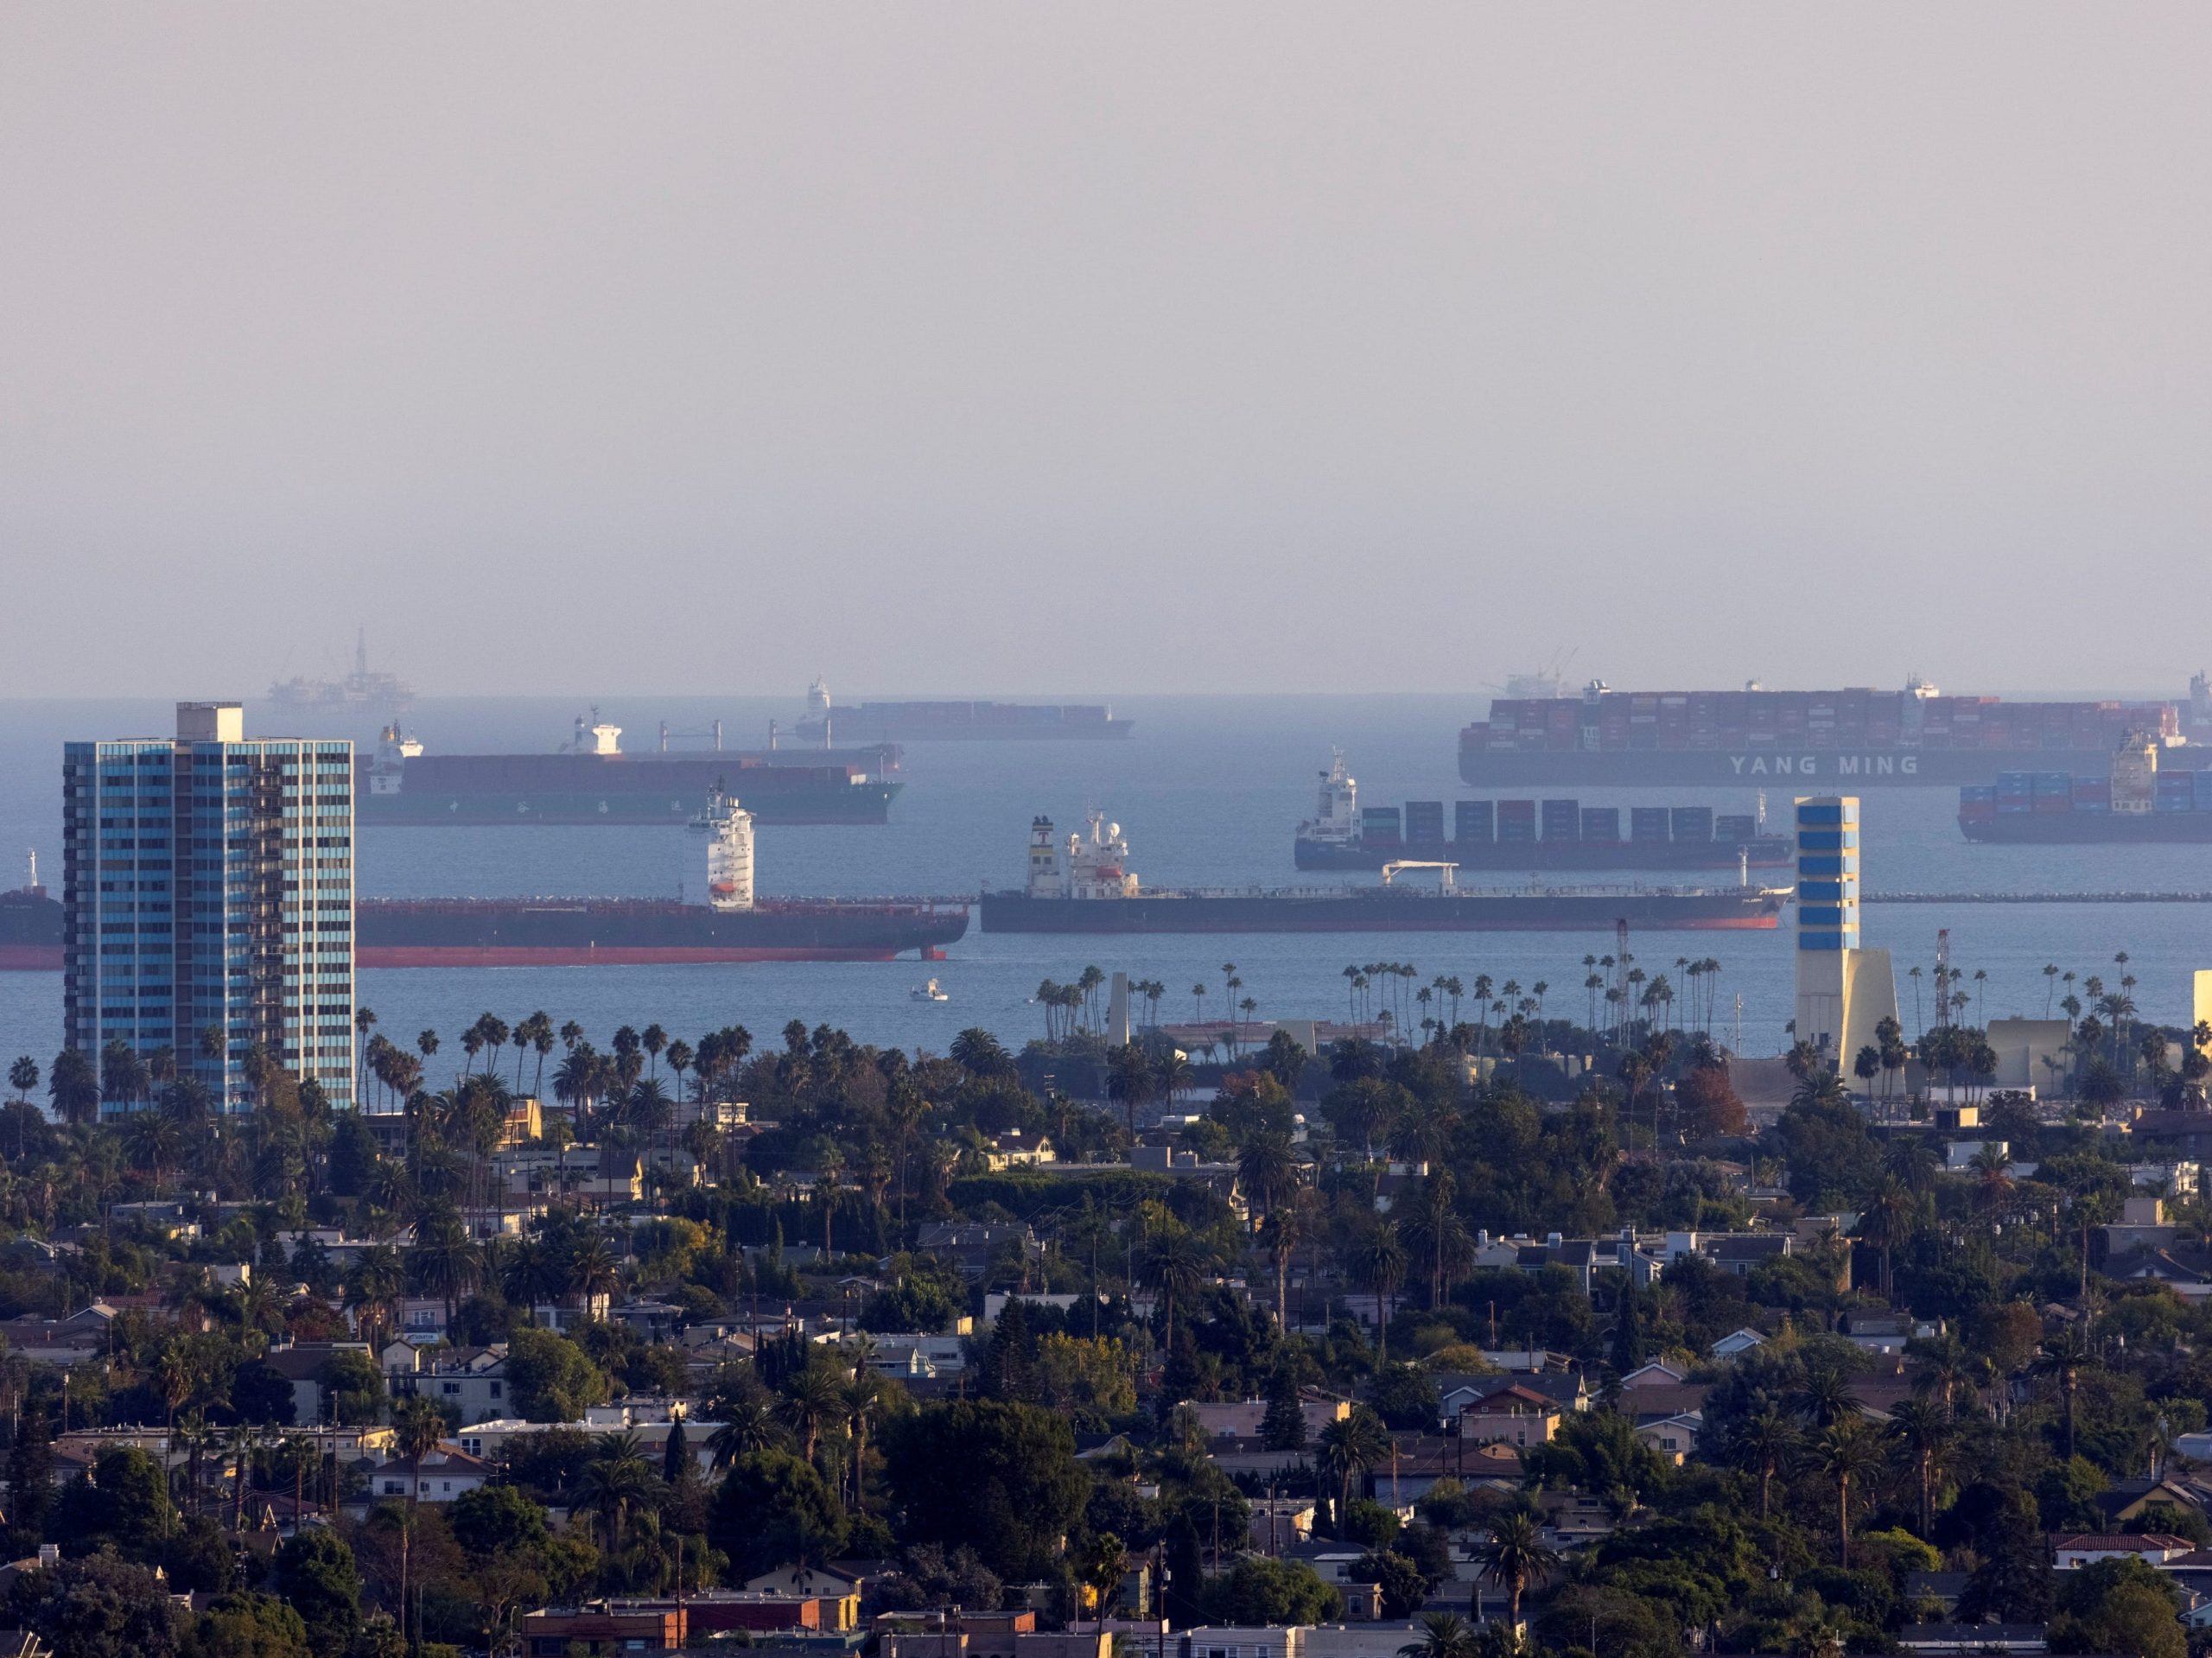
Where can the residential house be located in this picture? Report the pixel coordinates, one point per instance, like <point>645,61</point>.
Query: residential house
<point>1737,1342</point>
<point>1657,1373</point>
<point>441,1475</point>
<point>301,1365</point>
<point>1673,1437</point>
<point>472,1380</point>
<point>2073,1549</point>
<point>1017,1149</point>
<point>1243,1418</point>
<point>973,1246</point>
<point>1516,1415</point>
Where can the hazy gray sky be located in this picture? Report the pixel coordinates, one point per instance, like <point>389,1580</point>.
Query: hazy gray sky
<point>1085,347</point>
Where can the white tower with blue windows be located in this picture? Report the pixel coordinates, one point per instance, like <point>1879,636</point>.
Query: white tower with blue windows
<point>1844,990</point>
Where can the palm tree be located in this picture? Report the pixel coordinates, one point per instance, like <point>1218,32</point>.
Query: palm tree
<point>1887,1221</point>
<point>1267,1167</point>
<point>1511,1552</point>
<point>1379,1260</point>
<point>1286,1226</point>
<point>1443,1635</point>
<point>417,1430</point>
<point>812,1400</point>
<point>1767,1441</point>
<point>1176,1262</point>
<point>747,1425</point>
<point>1846,1453</point>
<point>2063,1358</point>
<point>616,1480</point>
<point>1436,1234</point>
<point>1347,1448</point>
<point>448,1262</point>
<point>1927,1431</point>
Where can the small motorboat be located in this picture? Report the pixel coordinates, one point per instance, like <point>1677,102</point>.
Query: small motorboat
<point>930,992</point>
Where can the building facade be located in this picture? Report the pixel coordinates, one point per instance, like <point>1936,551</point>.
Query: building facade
<point>1844,990</point>
<point>207,903</point>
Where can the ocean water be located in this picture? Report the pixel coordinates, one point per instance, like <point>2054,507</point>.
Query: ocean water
<point>1208,789</point>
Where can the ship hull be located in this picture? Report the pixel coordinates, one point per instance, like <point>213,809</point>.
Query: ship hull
<point>1812,770</point>
<point>1374,911</point>
<point>395,933</point>
<point>2090,828</point>
<point>1766,853</point>
<point>868,803</point>
<point>30,932</point>
<point>404,956</point>
<point>856,728</point>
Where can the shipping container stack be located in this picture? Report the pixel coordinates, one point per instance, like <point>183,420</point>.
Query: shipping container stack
<point>1517,821</point>
<point>1423,823</point>
<point>1378,826</point>
<point>1647,825</point>
<point>1601,823</point>
<point>1474,823</point>
<point>1691,825</point>
<point>1562,820</point>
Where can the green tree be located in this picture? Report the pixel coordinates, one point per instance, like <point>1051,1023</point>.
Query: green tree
<point>495,1520</point>
<point>124,1503</point>
<point>246,1625</point>
<point>1283,1427</point>
<point>1001,1477</point>
<point>316,1577</point>
<point>96,1607</point>
<point>549,1379</point>
<point>774,1510</point>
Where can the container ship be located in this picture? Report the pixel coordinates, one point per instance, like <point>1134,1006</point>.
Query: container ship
<point>1853,739</point>
<point>923,722</point>
<point>1085,885</point>
<point>1504,834</point>
<point>30,928</point>
<point>2132,800</point>
<point>593,781</point>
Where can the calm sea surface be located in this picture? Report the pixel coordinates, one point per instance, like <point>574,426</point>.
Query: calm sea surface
<point>1208,789</point>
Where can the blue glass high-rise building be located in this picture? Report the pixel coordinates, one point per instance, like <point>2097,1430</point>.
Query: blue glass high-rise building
<point>208,901</point>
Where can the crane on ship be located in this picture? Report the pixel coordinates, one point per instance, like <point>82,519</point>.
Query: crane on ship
<point>1446,872</point>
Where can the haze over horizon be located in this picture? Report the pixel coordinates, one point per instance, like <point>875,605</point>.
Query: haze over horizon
<point>1000,350</point>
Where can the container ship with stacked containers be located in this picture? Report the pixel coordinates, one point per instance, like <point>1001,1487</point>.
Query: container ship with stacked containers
<point>2133,799</point>
<point>1844,740</point>
<point>1085,886</point>
<point>591,781</point>
<point>732,925</point>
<point>1528,834</point>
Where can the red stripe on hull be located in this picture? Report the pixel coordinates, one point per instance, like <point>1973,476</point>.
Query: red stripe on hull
<point>404,956</point>
<point>30,958</point>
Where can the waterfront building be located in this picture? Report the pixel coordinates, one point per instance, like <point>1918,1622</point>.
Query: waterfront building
<point>207,902</point>
<point>1843,989</point>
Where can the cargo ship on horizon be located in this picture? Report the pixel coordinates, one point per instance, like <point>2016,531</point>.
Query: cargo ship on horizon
<point>955,721</point>
<point>1853,739</point>
<point>1085,886</point>
<point>733,924</point>
<point>591,780</point>
<point>2132,801</point>
<point>1503,834</point>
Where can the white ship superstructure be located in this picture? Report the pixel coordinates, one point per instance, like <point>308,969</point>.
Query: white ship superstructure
<point>1082,867</point>
<point>728,830</point>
